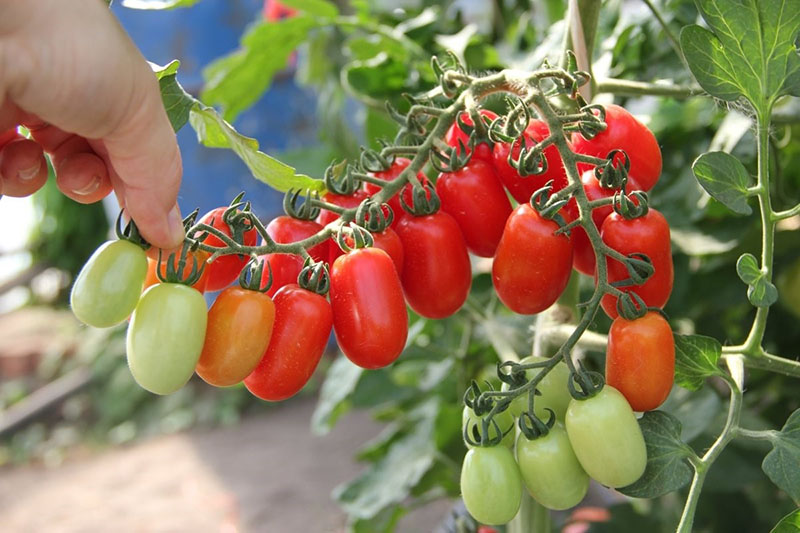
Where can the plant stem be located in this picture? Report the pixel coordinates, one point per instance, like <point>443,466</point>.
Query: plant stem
<point>532,517</point>
<point>638,88</point>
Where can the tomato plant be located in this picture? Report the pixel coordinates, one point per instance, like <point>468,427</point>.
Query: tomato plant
<point>303,322</point>
<point>550,470</point>
<point>286,267</point>
<point>606,438</point>
<point>398,165</point>
<point>505,421</point>
<point>197,256</point>
<point>473,196</point>
<point>554,394</point>
<point>325,216</point>
<point>456,135</point>
<point>369,314</point>
<point>532,264</point>
<point>640,362</point>
<point>491,484</point>
<point>222,271</point>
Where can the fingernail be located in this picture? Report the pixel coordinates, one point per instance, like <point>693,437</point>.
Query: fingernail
<point>175,224</point>
<point>92,186</point>
<point>29,173</point>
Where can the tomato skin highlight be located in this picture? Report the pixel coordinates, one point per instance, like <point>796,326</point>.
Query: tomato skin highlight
<point>436,272</point>
<point>108,286</point>
<point>199,256</point>
<point>369,314</point>
<point>522,187</point>
<point>455,134</point>
<point>553,386</point>
<point>237,334</point>
<point>532,265</point>
<point>640,360</point>
<point>303,322</point>
<point>491,485</point>
<point>504,419</point>
<point>165,337</point>
<point>225,269</point>
<point>550,470</point>
<point>606,438</point>
<point>474,197</point>
<point>583,260</point>
<point>624,132</point>
<point>648,235</point>
<point>286,267</point>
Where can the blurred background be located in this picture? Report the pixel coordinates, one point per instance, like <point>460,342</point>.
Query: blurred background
<point>82,447</point>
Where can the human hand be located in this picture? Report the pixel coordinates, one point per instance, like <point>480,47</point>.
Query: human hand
<point>71,75</point>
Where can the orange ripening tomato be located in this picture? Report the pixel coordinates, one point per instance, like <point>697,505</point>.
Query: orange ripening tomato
<point>201,257</point>
<point>303,322</point>
<point>237,334</point>
<point>640,362</point>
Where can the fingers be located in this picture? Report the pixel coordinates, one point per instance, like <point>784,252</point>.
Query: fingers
<point>23,169</point>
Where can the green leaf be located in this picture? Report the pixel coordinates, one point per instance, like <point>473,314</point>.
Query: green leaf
<point>788,524</point>
<point>177,102</point>
<point>667,466</point>
<point>725,179</point>
<point>749,50</point>
<point>782,464</point>
<point>340,382</point>
<point>165,70</point>
<point>390,480</point>
<point>318,8</point>
<point>696,359</point>
<point>760,291</point>
<point>238,80</point>
<point>214,132</point>
<point>157,4</point>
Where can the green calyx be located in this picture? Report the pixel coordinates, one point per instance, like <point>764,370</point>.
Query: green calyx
<point>424,200</point>
<point>583,384</point>
<point>314,277</point>
<point>130,232</point>
<point>252,276</point>
<point>302,210</point>
<point>176,272</point>
<point>339,179</point>
<point>373,216</point>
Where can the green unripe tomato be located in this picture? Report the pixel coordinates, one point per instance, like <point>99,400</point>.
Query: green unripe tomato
<point>555,394</point>
<point>491,485</point>
<point>165,337</point>
<point>504,419</point>
<point>108,286</point>
<point>550,470</point>
<point>606,438</point>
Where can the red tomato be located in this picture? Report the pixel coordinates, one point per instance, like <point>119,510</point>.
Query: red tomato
<point>483,151</point>
<point>286,267</point>
<point>399,164</point>
<point>224,270</point>
<point>436,269</point>
<point>369,315</point>
<point>474,197</point>
<point>303,321</point>
<point>648,235</point>
<point>624,132</point>
<point>200,256</point>
<point>326,217</point>
<point>640,361</point>
<point>522,187</point>
<point>274,10</point>
<point>584,260</point>
<point>532,265</point>
<point>389,242</point>
<point>239,328</point>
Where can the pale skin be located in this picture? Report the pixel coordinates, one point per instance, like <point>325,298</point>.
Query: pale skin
<point>71,75</point>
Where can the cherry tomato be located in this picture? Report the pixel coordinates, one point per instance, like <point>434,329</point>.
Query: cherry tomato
<point>238,331</point>
<point>483,151</point>
<point>640,361</point>
<point>369,314</point>
<point>388,241</point>
<point>436,271</point>
<point>165,337</point>
<point>532,264</point>
<point>326,217</point>
<point>109,285</point>
<point>648,235</point>
<point>550,470</point>
<point>199,256</point>
<point>474,197</point>
<point>491,485</point>
<point>583,260</point>
<point>624,132</point>
<point>303,322</point>
<point>225,269</point>
<point>553,388</point>
<point>399,164</point>
<point>286,267</point>
<point>522,187</point>
<point>606,438</point>
<point>504,419</point>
